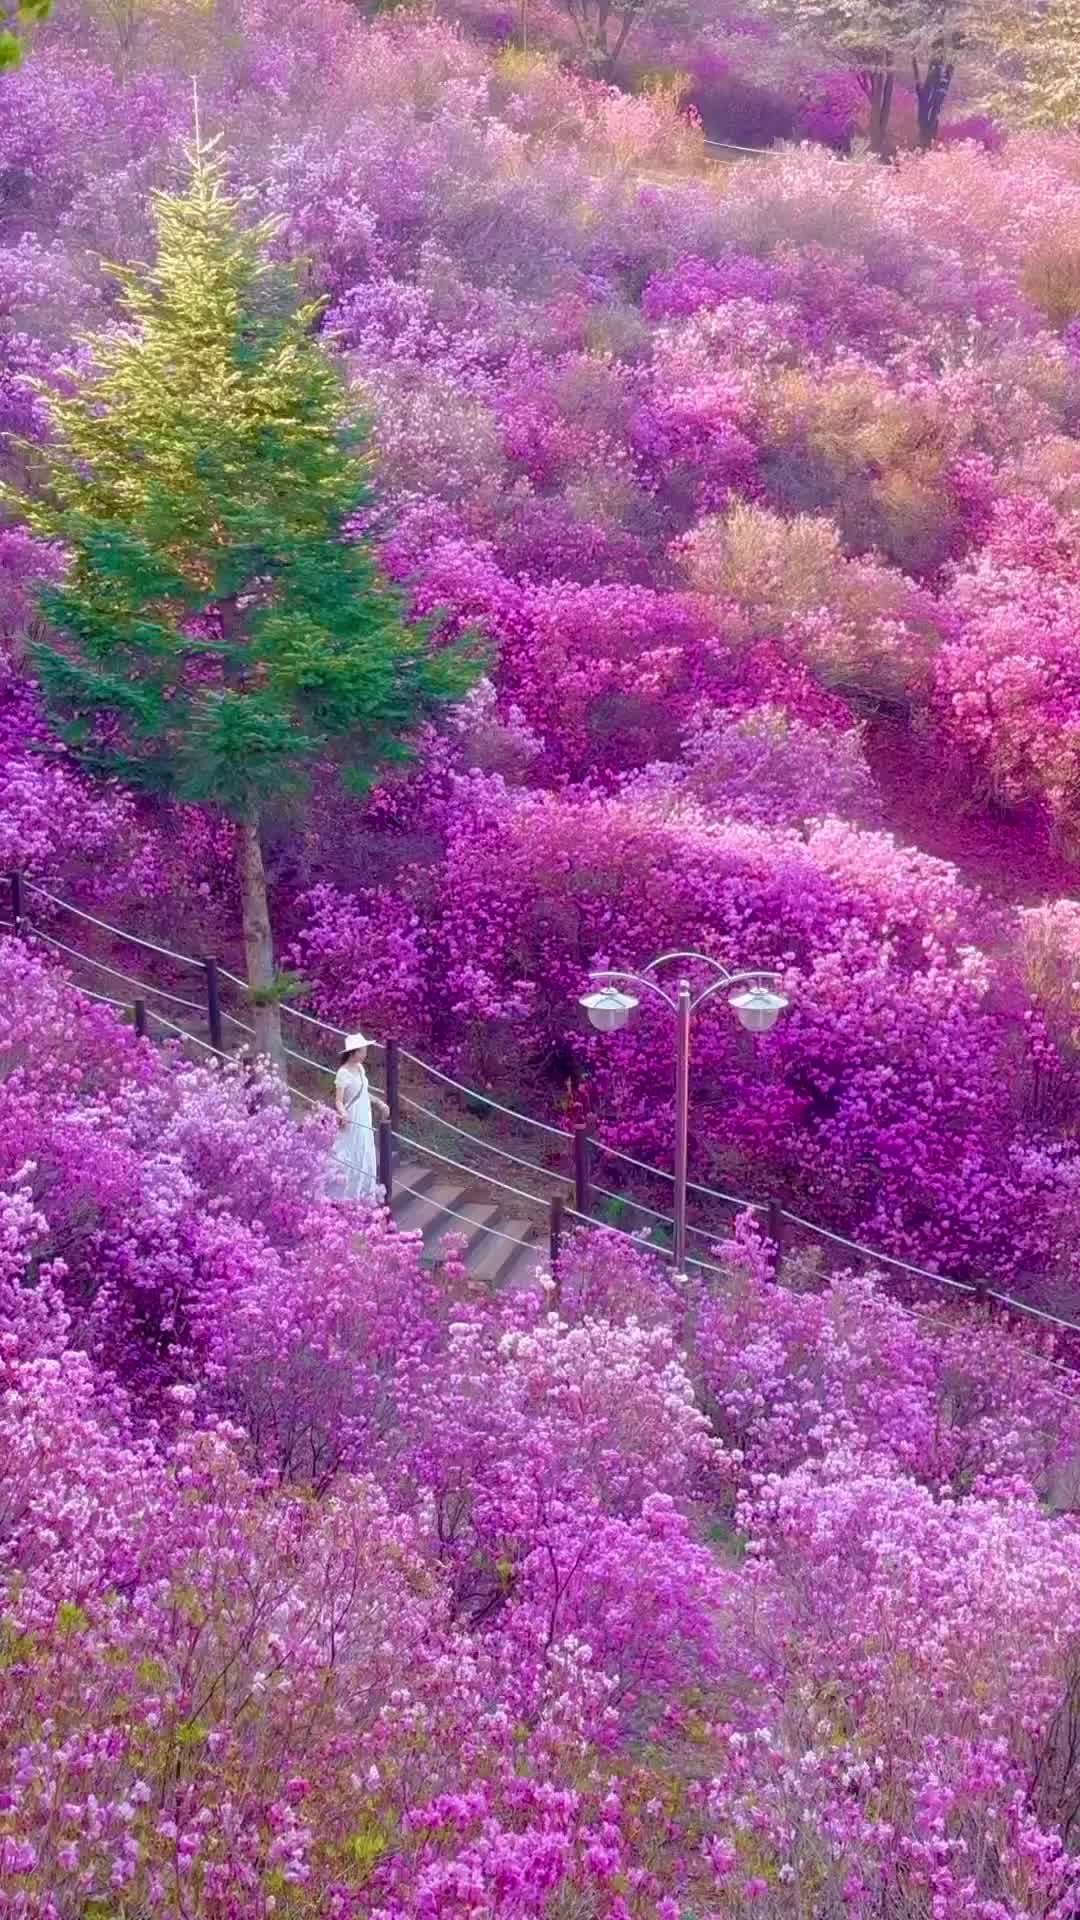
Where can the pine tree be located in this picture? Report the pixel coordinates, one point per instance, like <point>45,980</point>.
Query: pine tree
<point>218,633</point>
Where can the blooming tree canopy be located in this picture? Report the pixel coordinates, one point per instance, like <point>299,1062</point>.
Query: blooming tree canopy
<point>886,40</point>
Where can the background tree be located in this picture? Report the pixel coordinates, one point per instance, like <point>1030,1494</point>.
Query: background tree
<point>884,40</point>
<point>217,633</point>
<point>123,26</point>
<point>16,16</point>
<point>603,27</point>
<point>1039,48</point>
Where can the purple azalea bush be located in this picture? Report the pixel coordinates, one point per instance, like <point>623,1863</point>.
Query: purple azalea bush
<point>332,1588</point>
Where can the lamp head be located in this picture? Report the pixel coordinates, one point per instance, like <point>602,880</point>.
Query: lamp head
<point>757,1008</point>
<point>608,1009</point>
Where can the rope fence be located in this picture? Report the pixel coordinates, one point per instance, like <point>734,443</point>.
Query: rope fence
<point>730,146</point>
<point>470,1093</point>
<point>144,986</point>
<point>118,933</point>
<point>577,1146</point>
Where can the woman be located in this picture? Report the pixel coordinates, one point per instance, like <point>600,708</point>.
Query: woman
<point>353,1153</point>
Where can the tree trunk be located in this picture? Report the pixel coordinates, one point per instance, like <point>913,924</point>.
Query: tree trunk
<point>259,944</point>
<point>931,93</point>
<point>878,85</point>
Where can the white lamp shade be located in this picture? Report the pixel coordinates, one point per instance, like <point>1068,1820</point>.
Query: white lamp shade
<point>757,1008</point>
<point>608,1010</point>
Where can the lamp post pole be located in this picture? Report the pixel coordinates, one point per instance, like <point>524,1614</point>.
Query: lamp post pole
<point>683,1008</point>
<point>753,999</point>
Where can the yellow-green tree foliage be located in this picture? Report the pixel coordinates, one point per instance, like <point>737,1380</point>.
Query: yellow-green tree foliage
<point>16,16</point>
<point>1038,47</point>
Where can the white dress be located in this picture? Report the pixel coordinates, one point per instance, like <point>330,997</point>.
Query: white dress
<point>353,1169</point>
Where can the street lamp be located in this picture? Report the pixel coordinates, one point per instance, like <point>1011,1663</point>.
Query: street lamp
<point>609,1009</point>
<point>753,1000</point>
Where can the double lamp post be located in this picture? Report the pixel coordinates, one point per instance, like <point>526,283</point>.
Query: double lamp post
<point>752,997</point>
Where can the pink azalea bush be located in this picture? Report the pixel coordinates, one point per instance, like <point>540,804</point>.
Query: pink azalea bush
<point>728,480</point>
<point>331,1588</point>
<point>335,1588</point>
<point>369,1593</point>
<point>890,1089</point>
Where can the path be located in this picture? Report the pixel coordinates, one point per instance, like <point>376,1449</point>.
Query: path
<point>508,1194</point>
<point>501,1248</point>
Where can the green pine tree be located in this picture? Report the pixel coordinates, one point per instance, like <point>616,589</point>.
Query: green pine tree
<point>216,634</point>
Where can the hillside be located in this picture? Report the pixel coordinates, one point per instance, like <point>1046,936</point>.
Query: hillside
<point>746,482</point>
<point>333,1589</point>
<point>339,1588</point>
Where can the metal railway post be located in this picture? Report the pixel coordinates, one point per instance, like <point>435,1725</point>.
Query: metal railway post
<point>18,902</point>
<point>582,1173</point>
<point>393,1082</point>
<point>682,1120</point>
<point>213,1006</point>
<point>139,1016</point>
<point>386,1160</point>
<point>555,1230</point>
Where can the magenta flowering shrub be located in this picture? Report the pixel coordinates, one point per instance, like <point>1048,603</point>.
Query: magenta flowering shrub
<point>1008,672</point>
<point>78,1487</point>
<point>400,1594</point>
<point>734,483</point>
<point>888,1555</point>
<point>53,821</point>
<point>888,1095</point>
<point>144,1178</point>
<point>793,1377</point>
<point>336,1589</point>
<point>767,765</point>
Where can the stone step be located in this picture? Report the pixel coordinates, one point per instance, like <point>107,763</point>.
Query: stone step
<point>424,1210</point>
<point>477,1217</point>
<point>434,1204</point>
<point>498,1253</point>
<point>411,1176</point>
<point>521,1270</point>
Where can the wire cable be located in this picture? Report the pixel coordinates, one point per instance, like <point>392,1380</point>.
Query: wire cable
<point>526,1119</point>
<point>488,1178</point>
<point>486,1146</point>
<point>182,1032</point>
<point>88,960</point>
<point>106,999</point>
<point>530,1246</point>
<point>889,1263</point>
<point>185,959</point>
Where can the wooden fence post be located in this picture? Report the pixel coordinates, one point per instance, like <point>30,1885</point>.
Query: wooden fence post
<point>555,1230</point>
<point>139,1013</point>
<point>18,901</point>
<point>393,1082</point>
<point>582,1173</point>
<point>213,1006</point>
<point>775,1229</point>
<point>386,1160</point>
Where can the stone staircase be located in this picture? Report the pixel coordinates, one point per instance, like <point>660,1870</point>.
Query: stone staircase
<point>501,1249</point>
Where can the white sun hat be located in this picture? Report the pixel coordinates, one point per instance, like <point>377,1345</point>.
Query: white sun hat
<point>354,1040</point>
